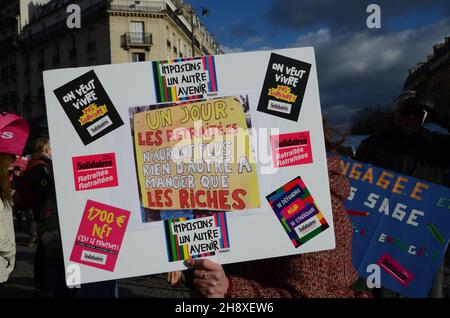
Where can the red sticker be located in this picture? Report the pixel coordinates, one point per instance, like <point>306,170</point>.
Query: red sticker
<point>95,171</point>
<point>100,235</point>
<point>291,149</point>
<point>293,208</point>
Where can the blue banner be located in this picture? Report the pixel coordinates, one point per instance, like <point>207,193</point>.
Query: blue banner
<point>400,223</point>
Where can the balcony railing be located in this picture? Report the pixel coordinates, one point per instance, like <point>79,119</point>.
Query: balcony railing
<point>137,6</point>
<point>136,39</point>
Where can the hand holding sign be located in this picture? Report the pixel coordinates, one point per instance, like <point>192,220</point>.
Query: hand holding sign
<point>210,279</point>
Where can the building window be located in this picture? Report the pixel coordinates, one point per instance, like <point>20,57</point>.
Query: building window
<point>137,57</point>
<point>168,37</point>
<point>56,56</point>
<point>73,49</point>
<point>137,31</point>
<point>5,100</point>
<point>91,40</point>
<point>27,64</point>
<point>41,95</point>
<point>4,72</point>
<point>41,59</point>
<point>14,99</point>
<point>27,104</point>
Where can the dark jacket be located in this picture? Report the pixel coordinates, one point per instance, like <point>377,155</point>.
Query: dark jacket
<point>40,179</point>
<point>424,155</point>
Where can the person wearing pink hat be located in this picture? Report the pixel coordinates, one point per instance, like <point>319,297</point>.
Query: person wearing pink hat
<point>14,132</point>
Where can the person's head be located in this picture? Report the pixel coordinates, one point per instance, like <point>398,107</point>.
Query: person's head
<point>14,132</point>
<point>16,170</point>
<point>409,112</point>
<point>334,138</point>
<point>42,147</point>
<point>6,160</point>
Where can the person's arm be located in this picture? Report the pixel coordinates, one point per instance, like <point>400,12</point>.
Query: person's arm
<point>339,184</point>
<point>39,181</point>
<point>364,153</point>
<point>7,261</point>
<point>240,287</point>
<point>297,277</point>
<point>48,234</point>
<point>440,116</point>
<point>211,281</point>
<point>7,244</point>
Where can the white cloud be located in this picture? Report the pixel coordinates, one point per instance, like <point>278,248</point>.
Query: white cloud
<point>253,41</point>
<point>228,50</point>
<point>319,37</point>
<point>365,54</point>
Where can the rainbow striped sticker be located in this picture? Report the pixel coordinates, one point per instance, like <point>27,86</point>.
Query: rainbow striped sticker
<point>297,212</point>
<point>196,236</point>
<point>184,78</point>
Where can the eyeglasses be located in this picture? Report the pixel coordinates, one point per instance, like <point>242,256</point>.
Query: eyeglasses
<point>416,113</point>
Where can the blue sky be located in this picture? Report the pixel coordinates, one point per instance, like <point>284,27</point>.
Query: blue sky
<point>357,66</point>
<point>227,18</point>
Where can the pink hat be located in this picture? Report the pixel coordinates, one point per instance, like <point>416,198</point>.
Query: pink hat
<point>14,132</point>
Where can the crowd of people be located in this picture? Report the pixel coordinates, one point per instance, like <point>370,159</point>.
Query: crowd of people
<point>403,146</point>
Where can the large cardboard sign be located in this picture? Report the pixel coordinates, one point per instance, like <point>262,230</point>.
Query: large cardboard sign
<point>186,157</point>
<point>157,162</point>
<point>400,223</point>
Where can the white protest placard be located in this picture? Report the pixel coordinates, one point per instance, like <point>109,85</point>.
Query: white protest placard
<point>218,156</point>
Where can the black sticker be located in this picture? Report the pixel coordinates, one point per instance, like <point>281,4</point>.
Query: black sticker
<point>284,87</point>
<point>88,107</point>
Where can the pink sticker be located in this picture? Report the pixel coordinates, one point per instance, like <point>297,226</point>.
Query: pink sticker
<point>291,149</point>
<point>397,271</point>
<point>100,235</point>
<point>95,171</point>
